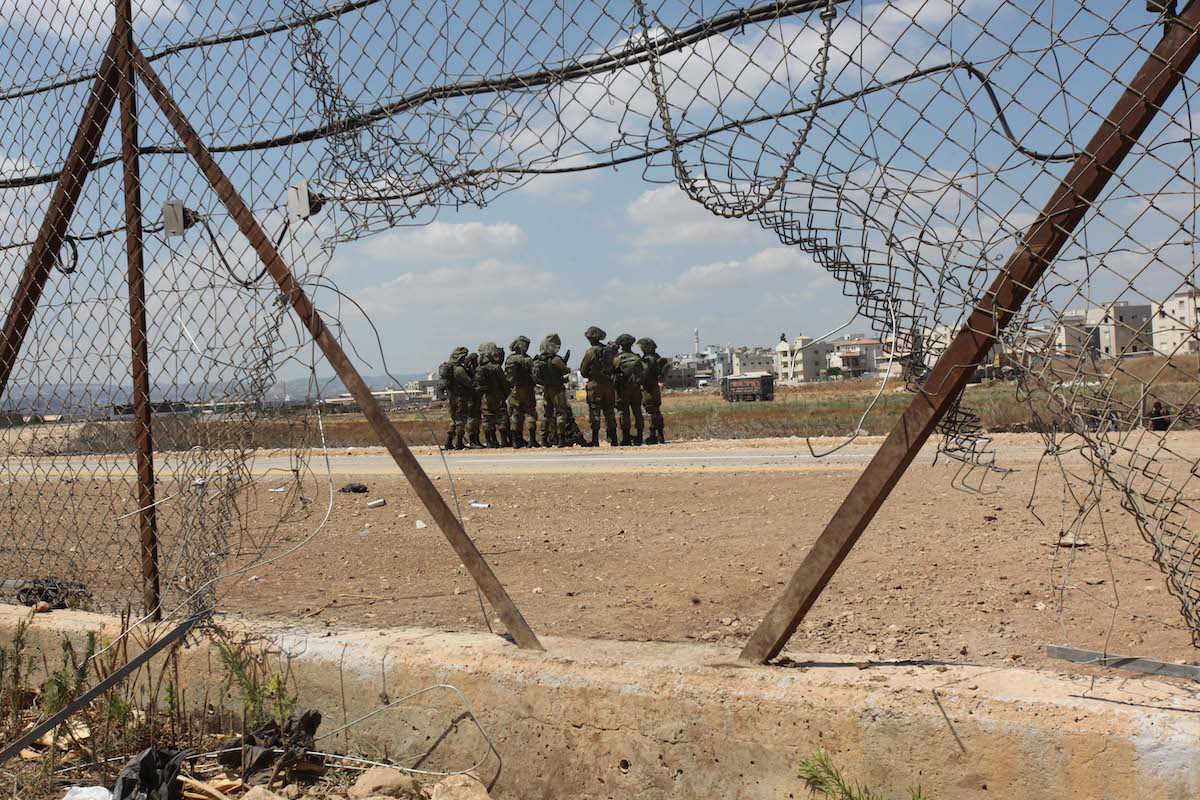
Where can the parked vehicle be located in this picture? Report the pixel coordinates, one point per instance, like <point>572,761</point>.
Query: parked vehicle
<point>753,386</point>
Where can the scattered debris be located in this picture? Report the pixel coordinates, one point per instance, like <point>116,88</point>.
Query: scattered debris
<point>380,503</point>
<point>477,504</point>
<point>207,790</point>
<point>150,775</point>
<point>260,793</point>
<point>87,793</point>
<point>459,787</point>
<point>258,759</point>
<point>354,488</point>
<point>278,489</point>
<point>385,782</point>
<point>56,592</point>
<point>421,524</point>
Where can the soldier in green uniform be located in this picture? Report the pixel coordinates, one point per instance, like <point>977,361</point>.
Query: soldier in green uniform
<point>492,388</point>
<point>552,372</point>
<point>454,380</point>
<point>657,368</point>
<point>475,406</point>
<point>630,372</point>
<point>522,400</point>
<point>601,394</point>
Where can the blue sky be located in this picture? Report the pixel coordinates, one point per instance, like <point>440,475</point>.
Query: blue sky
<point>566,252</point>
<point>609,247</point>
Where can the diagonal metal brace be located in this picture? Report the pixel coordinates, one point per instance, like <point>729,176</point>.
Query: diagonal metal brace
<point>1134,110</point>
<point>449,524</point>
<point>58,216</point>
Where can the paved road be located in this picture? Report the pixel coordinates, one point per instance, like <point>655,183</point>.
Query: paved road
<point>677,458</point>
<point>632,460</point>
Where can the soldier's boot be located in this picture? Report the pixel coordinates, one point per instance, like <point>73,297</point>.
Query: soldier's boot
<point>473,442</point>
<point>449,445</point>
<point>653,437</point>
<point>533,441</point>
<point>637,438</point>
<point>490,438</point>
<point>612,435</point>
<point>506,438</point>
<point>662,431</point>
<point>518,441</point>
<point>626,439</point>
<point>458,443</point>
<point>563,439</point>
<point>595,442</point>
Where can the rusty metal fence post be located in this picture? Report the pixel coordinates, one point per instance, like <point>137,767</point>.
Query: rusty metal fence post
<point>139,353</point>
<point>1091,172</point>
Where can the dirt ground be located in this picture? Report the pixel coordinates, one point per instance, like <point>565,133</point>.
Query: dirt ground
<point>700,554</point>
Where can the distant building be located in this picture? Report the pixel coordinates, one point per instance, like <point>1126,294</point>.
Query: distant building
<point>753,359</point>
<point>426,387</point>
<point>800,360</point>
<point>720,360</point>
<point>855,355</point>
<point>1109,331</point>
<point>1175,324</point>
<point>681,376</point>
<point>388,399</point>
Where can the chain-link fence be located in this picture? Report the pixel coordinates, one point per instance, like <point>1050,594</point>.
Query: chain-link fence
<point>906,146</point>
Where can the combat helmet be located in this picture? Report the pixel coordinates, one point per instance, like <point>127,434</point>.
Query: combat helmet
<point>550,344</point>
<point>458,354</point>
<point>594,333</point>
<point>519,345</point>
<point>625,340</point>
<point>647,344</point>
<point>487,351</point>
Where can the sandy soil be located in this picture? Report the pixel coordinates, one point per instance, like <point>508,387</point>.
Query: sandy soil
<point>940,575</point>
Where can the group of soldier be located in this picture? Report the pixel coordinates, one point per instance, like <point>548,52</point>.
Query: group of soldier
<point>498,397</point>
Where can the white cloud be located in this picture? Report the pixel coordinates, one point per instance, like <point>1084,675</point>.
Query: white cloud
<point>668,218</point>
<point>80,21</point>
<point>442,242</point>
<point>466,289</point>
<point>790,263</point>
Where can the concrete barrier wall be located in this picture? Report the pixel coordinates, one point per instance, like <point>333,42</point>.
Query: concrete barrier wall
<point>604,719</point>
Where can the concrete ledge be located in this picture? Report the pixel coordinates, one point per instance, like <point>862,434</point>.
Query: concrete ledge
<point>606,719</point>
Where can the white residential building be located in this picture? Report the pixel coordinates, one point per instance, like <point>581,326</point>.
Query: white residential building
<point>1175,324</point>
<point>855,355</point>
<point>800,360</point>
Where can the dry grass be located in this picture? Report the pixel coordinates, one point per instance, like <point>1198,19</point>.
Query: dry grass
<point>831,408</point>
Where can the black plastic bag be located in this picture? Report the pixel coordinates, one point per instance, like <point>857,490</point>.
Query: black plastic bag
<point>151,775</point>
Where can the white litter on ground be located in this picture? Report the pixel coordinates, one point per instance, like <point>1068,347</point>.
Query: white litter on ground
<point>87,793</point>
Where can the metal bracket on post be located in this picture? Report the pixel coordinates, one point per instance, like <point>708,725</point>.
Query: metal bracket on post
<point>1091,172</point>
<point>294,293</point>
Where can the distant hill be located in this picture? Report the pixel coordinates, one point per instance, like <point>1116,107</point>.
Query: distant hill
<point>75,398</point>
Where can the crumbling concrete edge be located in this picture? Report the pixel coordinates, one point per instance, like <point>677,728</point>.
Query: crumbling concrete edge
<point>608,719</point>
